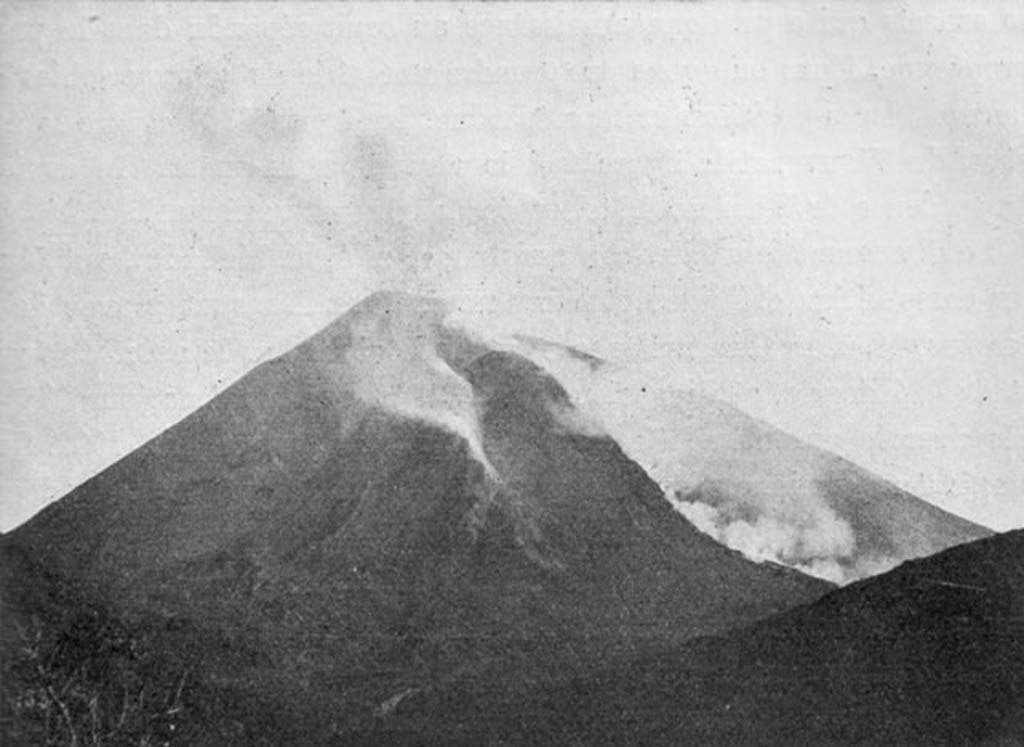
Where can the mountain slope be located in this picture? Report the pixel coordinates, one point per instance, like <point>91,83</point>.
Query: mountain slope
<point>930,653</point>
<point>389,506</point>
<point>750,485</point>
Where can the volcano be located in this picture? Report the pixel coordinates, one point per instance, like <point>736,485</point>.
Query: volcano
<point>393,505</point>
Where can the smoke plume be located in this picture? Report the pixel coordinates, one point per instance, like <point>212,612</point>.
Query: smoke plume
<point>748,485</point>
<point>392,362</point>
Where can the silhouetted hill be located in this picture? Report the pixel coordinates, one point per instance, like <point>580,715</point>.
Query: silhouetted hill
<point>930,653</point>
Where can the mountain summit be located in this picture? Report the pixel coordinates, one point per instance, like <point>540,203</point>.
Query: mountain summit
<point>393,505</point>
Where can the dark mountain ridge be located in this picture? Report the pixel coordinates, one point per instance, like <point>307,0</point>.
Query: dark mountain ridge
<point>929,653</point>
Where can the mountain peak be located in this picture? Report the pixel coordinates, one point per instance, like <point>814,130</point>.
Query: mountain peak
<point>392,350</point>
<point>398,308</point>
<point>383,314</point>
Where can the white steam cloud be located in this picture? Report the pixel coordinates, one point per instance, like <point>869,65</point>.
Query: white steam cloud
<point>748,485</point>
<point>817,542</point>
<point>392,363</point>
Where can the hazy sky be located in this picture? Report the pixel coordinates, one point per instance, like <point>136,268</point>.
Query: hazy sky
<point>812,211</point>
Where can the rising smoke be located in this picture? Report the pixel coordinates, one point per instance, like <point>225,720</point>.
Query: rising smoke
<point>392,363</point>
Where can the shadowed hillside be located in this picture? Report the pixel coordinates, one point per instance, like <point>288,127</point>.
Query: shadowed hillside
<point>930,653</point>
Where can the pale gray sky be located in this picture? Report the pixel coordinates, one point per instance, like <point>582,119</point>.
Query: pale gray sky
<point>813,212</point>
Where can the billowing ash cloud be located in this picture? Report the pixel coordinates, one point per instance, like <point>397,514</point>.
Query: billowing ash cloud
<point>748,485</point>
<point>814,540</point>
<point>392,362</point>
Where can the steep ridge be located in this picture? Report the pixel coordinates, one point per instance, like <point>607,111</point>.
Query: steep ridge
<point>929,653</point>
<point>749,485</point>
<point>391,505</point>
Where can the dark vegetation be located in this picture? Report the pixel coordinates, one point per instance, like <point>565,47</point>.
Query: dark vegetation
<point>75,672</point>
<point>89,682</point>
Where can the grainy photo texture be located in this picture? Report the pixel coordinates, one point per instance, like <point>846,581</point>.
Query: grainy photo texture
<point>512,374</point>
